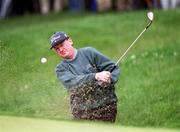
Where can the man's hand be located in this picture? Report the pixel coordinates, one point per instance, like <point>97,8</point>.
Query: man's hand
<point>104,84</point>
<point>104,78</point>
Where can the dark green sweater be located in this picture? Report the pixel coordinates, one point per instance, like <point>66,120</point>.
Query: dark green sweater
<point>78,76</point>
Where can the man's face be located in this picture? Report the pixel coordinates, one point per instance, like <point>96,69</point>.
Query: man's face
<point>65,49</point>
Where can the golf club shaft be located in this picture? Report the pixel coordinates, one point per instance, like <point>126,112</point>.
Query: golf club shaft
<point>113,67</point>
<point>130,46</point>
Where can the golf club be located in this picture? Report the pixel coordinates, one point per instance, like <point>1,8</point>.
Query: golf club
<point>150,16</point>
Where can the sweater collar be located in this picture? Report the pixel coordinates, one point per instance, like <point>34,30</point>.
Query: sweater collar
<point>75,54</point>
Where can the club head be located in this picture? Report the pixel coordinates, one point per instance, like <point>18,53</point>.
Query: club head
<point>150,16</point>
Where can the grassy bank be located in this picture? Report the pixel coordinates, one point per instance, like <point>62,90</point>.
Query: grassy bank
<point>17,124</point>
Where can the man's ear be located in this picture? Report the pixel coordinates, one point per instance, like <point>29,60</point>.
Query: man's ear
<point>70,40</point>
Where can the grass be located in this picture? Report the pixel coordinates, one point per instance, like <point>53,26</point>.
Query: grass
<point>149,84</point>
<point>30,125</point>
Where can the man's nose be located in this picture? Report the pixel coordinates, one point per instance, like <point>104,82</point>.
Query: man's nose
<point>59,49</point>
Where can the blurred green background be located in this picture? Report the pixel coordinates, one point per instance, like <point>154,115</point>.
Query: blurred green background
<point>148,88</point>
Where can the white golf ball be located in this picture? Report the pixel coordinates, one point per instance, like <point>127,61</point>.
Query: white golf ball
<point>43,60</point>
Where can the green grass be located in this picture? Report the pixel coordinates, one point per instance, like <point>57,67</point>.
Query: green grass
<point>148,88</point>
<point>17,124</point>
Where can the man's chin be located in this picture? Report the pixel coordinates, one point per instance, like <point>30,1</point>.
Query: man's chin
<point>65,56</point>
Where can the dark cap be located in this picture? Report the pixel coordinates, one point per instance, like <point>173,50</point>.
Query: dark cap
<point>57,38</point>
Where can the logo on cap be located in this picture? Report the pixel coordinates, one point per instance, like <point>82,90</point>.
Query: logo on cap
<point>54,38</point>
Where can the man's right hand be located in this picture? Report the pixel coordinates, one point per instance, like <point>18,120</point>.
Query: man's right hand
<point>103,76</point>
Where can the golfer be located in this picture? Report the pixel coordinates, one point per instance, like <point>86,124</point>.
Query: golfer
<point>84,73</point>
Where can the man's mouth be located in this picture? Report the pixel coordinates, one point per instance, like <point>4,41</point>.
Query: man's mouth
<point>63,53</point>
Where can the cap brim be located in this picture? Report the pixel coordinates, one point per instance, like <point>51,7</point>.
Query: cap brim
<point>59,42</point>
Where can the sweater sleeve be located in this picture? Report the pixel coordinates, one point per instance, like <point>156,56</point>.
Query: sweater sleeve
<point>71,81</point>
<point>103,63</point>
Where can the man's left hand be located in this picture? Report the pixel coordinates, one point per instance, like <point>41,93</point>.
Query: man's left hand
<point>105,84</point>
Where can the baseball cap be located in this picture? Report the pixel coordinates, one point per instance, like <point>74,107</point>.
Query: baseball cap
<point>57,38</point>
